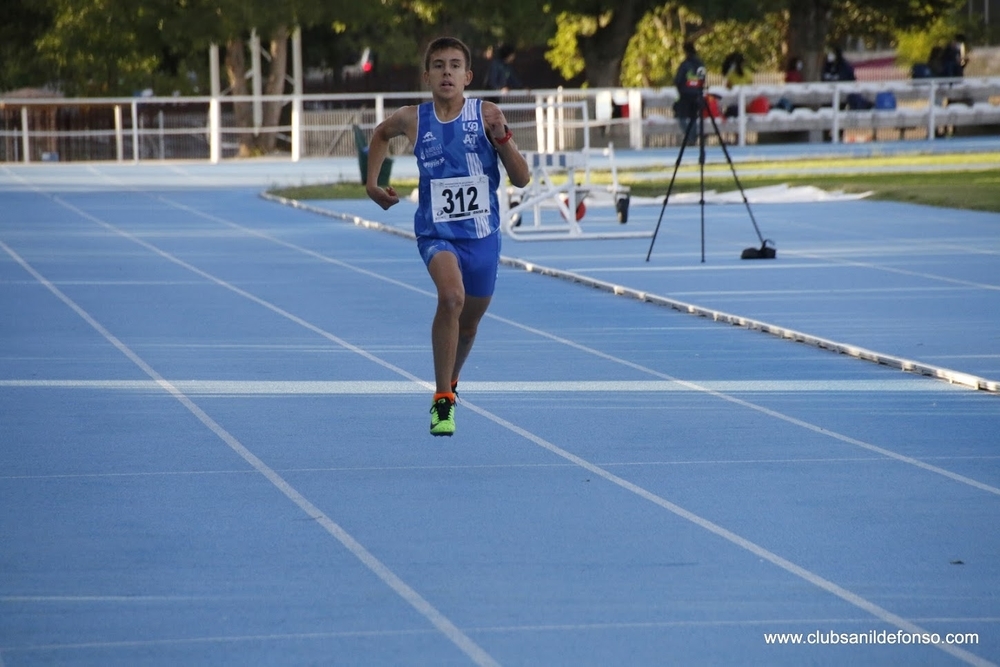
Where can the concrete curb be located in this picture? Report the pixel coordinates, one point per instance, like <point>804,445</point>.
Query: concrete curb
<point>907,365</point>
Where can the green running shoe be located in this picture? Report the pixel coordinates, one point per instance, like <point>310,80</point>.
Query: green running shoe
<point>443,416</point>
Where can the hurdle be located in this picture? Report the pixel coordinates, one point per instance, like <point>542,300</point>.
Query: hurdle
<point>521,215</point>
<point>521,209</point>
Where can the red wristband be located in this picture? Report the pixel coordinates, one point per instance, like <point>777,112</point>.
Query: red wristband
<point>505,138</point>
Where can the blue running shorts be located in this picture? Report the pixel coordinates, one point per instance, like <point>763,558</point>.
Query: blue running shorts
<point>478,260</point>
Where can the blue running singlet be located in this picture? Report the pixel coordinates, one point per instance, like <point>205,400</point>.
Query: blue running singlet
<point>459,175</point>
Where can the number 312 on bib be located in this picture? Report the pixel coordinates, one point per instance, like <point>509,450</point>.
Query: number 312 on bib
<point>460,197</point>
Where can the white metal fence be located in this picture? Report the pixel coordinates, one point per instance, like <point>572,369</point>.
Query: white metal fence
<point>204,128</point>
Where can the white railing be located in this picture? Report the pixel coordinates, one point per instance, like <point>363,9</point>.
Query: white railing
<point>924,107</point>
<point>137,129</point>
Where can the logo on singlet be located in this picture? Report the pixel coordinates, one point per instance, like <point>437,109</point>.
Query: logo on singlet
<point>430,147</point>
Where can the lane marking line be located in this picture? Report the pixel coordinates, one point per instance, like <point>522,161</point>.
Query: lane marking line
<point>400,587</point>
<point>393,387</point>
<point>677,510</point>
<point>564,341</point>
<point>497,629</point>
<point>911,366</point>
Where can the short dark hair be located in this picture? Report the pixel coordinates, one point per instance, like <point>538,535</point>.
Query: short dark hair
<point>442,43</point>
<point>689,49</point>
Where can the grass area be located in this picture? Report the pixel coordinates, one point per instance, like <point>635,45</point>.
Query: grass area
<point>973,190</point>
<point>937,180</point>
<point>350,190</point>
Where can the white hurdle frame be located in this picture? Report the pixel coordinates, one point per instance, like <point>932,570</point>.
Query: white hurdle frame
<point>551,124</point>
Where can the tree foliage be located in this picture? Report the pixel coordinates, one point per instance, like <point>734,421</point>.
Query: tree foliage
<point>654,50</point>
<point>116,47</point>
<point>101,47</point>
<point>766,31</point>
<point>760,41</point>
<point>639,42</point>
<point>22,22</point>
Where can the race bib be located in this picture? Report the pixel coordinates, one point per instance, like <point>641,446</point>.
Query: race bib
<point>460,197</point>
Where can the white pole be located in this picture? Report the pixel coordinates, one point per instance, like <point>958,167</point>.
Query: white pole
<point>297,60</point>
<point>119,149</point>
<point>296,127</point>
<point>135,131</point>
<point>741,115</point>
<point>25,141</point>
<point>539,125</point>
<point>213,70</point>
<point>635,119</point>
<point>550,125</point>
<point>561,118</point>
<point>835,132</point>
<point>931,120</point>
<point>163,148</point>
<point>258,106</point>
<point>297,90</point>
<point>214,113</point>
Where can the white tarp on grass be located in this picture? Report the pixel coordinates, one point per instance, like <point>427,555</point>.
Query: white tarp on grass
<point>771,194</point>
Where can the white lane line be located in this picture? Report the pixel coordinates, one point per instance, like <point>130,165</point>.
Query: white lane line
<point>775,294</point>
<point>493,466</point>
<point>108,283</point>
<point>729,536</point>
<point>767,623</point>
<point>58,599</point>
<point>688,269</point>
<point>401,588</point>
<point>909,365</point>
<point>716,529</point>
<point>391,387</point>
<point>767,411</point>
<point>952,376</point>
<point>824,623</point>
<point>218,639</point>
<point>892,269</point>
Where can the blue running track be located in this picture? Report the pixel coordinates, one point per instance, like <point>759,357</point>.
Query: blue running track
<point>214,447</point>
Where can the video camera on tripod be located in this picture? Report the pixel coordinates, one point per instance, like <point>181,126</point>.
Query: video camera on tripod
<point>691,91</point>
<point>690,109</point>
<point>700,74</point>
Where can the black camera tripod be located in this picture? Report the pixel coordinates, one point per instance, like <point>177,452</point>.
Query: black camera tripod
<point>701,112</point>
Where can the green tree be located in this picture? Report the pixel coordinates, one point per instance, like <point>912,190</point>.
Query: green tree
<point>231,23</point>
<point>592,37</point>
<point>413,24</point>
<point>813,25</point>
<point>22,22</point>
<point>655,50</point>
<point>638,42</point>
<point>101,47</point>
<point>115,47</point>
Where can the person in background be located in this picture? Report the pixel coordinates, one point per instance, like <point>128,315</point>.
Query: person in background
<point>935,65</point>
<point>501,75</point>
<point>460,144</point>
<point>690,83</point>
<point>954,57</point>
<point>735,75</point>
<point>793,72</point>
<point>734,72</point>
<point>836,67</point>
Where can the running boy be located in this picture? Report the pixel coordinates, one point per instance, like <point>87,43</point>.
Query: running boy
<point>457,142</point>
